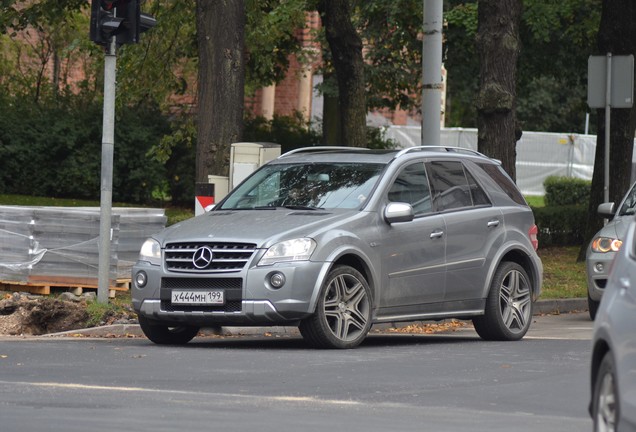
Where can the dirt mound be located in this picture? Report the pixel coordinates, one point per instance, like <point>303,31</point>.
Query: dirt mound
<point>25,314</point>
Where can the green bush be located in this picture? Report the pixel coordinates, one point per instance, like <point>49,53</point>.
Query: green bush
<point>561,191</point>
<point>53,149</point>
<point>560,225</point>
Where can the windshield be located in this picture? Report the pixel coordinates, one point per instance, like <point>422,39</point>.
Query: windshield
<point>629,205</point>
<point>311,186</point>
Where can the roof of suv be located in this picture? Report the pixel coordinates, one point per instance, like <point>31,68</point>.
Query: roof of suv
<point>356,154</point>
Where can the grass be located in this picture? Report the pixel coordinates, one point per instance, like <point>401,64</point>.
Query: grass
<point>563,277</point>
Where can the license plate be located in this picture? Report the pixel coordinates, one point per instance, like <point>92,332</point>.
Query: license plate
<point>212,297</point>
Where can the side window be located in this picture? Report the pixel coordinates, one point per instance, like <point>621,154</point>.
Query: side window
<point>476,192</point>
<point>449,185</point>
<point>411,186</point>
<point>500,177</point>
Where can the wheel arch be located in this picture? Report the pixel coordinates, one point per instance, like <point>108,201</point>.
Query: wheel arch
<point>521,257</point>
<point>600,349</point>
<point>357,262</point>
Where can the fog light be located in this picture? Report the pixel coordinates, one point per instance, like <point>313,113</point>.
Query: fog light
<point>599,267</point>
<point>277,280</point>
<point>141,279</point>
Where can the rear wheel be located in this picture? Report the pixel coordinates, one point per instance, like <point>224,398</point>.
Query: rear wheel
<point>167,335</point>
<point>343,312</point>
<point>605,402</point>
<point>509,305</point>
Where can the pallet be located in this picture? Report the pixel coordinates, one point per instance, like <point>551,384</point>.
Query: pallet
<point>43,285</point>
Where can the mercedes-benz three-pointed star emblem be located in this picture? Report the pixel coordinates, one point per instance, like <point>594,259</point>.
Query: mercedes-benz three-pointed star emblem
<point>202,257</point>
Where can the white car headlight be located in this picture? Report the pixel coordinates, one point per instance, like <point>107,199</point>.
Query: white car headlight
<point>606,244</point>
<point>290,250</point>
<point>151,252</point>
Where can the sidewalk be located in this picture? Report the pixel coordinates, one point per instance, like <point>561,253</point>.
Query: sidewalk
<point>542,307</point>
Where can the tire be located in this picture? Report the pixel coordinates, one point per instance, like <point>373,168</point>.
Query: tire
<point>508,311</point>
<point>605,401</point>
<point>343,311</point>
<point>592,306</point>
<point>167,335</point>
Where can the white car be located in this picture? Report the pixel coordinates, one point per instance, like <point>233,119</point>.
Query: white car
<point>613,371</point>
<point>605,244</point>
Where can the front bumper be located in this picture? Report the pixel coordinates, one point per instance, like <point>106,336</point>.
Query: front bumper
<point>597,267</point>
<point>250,298</point>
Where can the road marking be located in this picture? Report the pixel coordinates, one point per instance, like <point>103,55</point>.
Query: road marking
<point>76,386</point>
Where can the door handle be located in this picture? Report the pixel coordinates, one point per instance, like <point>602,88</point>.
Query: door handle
<point>437,234</point>
<point>493,223</point>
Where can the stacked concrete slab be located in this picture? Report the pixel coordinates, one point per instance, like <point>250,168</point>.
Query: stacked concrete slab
<point>59,245</point>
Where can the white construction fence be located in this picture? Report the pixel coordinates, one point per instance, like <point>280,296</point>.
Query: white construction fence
<point>539,154</point>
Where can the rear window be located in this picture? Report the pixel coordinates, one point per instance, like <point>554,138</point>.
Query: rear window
<point>506,184</point>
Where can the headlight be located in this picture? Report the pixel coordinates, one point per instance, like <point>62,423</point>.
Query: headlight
<point>606,244</point>
<point>151,252</point>
<point>290,250</point>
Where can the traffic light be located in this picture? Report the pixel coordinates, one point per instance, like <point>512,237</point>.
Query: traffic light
<point>119,18</point>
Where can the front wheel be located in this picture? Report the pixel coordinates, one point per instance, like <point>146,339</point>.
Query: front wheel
<point>166,335</point>
<point>592,306</point>
<point>343,312</point>
<point>509,305</point>
<point>605,401</point>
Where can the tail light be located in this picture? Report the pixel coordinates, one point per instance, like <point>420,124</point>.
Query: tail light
<point>532,233</point>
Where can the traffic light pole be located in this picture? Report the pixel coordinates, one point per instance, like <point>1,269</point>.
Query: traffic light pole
<point>106,197</point>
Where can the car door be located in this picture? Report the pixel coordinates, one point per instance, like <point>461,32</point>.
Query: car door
<point>474,228</point>
<point>413,253</point>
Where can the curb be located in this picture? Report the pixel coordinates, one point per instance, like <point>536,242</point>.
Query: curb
<point>541,307</point>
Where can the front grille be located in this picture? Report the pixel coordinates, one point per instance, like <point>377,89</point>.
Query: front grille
<point>200,283</point>
<point>223,257</point>
<point>229,306</point>
<point>233,288</point>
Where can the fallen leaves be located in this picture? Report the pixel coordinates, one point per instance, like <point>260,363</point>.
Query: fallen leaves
<point>421,328</point>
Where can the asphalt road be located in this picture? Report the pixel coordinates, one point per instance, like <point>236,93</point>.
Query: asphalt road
<point>442,382</point>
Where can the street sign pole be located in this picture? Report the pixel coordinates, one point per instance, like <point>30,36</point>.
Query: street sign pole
<point>106,191</point>
<point>608,110</point>
<point>610,84</point>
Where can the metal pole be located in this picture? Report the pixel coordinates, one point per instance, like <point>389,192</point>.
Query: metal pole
<point>608,97</point>
<point>432,72</point>
<point>106,198</point>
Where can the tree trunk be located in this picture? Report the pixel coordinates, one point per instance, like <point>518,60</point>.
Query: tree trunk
<point>498,45</point>
<point>346,50</point>
<point>616,35</point>
<point>220,36</point>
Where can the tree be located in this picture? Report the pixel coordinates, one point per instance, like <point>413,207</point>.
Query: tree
<point>220,36</point>
<point>557,38</point>
<point>346,53</point>
<point>498,46</point>
<point>616,35</point>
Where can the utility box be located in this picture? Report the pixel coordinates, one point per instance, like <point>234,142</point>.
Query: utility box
<point>221,187</point>
<point>247,157</point>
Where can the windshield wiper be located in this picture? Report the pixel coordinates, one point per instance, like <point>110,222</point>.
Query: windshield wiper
<point>302,207</point>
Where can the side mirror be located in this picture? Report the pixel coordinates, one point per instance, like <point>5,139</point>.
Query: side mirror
<point>606,210</point>
<point>398,212</point>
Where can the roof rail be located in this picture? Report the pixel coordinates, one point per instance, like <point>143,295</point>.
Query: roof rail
<point>320,148</point>
<point>444,148</point>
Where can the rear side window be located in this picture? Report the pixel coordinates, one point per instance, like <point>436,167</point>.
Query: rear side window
<point>500,177</point>
<point>452,187</point>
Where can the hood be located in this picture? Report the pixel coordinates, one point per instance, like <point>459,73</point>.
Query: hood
<point>615,228</point>
<point>263,227</point>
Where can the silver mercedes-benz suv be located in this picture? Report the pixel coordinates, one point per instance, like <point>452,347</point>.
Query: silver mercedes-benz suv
<point>334,240</point>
